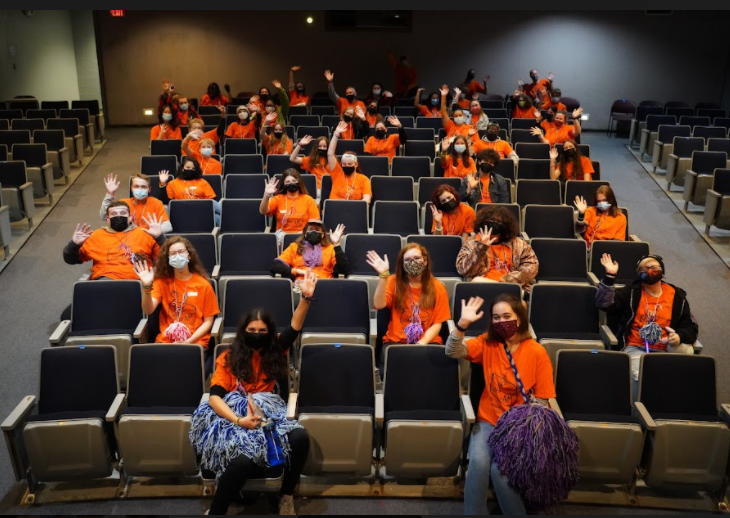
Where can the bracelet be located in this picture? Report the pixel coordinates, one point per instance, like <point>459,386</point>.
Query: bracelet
<point>238,420</point>
<point>457,326</point>
<point>439,228</point>
<point>384,275</point>
<point>147,289</point>
<point>309,299</point>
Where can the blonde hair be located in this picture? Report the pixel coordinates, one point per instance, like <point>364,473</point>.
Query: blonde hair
<point>204,141</point>
<point>195,121</point>
<point>142,177</point>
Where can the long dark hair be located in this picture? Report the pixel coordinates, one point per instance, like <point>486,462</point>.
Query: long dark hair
<point>273,360</point>
<point>198,170</point>
<point>577,165</point>
<point>292,172</point>
<point>163,270</point>
<point>465,157</point>
<point>174,122</point>
<point>314,152</point>
<point>300,240</point>
<point>523,332</point>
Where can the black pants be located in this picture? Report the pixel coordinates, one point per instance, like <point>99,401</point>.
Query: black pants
<point>241,469</point>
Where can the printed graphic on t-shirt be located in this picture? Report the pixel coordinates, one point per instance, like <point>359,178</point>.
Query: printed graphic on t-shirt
<point>425,314</point>
<point>187,316</point>
<point>122,253</point>
<point>503,393</point>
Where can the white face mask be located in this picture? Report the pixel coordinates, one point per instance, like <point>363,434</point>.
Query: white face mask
<point>184,107</point>
<point>140,194</point>
<point>459,148</point>
<point>270,109</point>
<point>167,117</point>
<point>459,120</point>
<point>603,206</point>
<point>243,115</point>
<point>206,151</point>
<point>376,91</point>
<point>178,261</point>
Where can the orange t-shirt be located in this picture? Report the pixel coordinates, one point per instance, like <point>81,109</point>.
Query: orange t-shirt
<point>459,222</point>
<point>547,125</point>
<point>195,300</point>
<point>534,90</point>
<point>452,129</point>
<point>353,187</point>
<point>292,214</point>
<point>295,98</point>
<point>183,117</point>
<point>459,170</point>
<point>559,136</point>
<point>372,119</point>
<point>139,209</point>
<point>194,145</point>
<point>501,391</point>
<point>523,113</point>
<point>473,88</point>
<point>236,130</point>
<point>343,104</point>
<point>660,306</point>
<point>317,170</point>
<point>349,133</point>
<point>170,134</point>
<point>112,252</point>
<point>197,189</point>
<point>603,227</point>
<point>500,146</point>
<point>208,165</point>
<point>547,103</point>
<point>464,104</point>
<point>585,164</point>
<point>277,148</point>
<point>486,197</point>
<point>324,271</point>
<point>223,376</point>
<point>500,261</point>
<point>429,316</point>
<point>383,147</point>
<point>429,111</point>
<point>206,100</point>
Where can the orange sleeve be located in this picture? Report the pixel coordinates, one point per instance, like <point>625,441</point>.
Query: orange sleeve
<point>390,292</point>
<point>288,147</point>
<point>446,162</point>
<point>170,190</point>
<point>313,209</point>
<point>366,187</point>
<point>394,140</point>
<point>341,105</point>
<point>208,191</point>
<point>229,131</point>
<point>469,220</point>
<point>423,111</point>
<point>507,148</point>
<point>210,305</point>
<point>620,233</point>
<point>223,376</point>
<point>441,311</point>
<point>273,205</point>
<point>587,165</point>
<point>176,134</point>
<point>305,164</point>
<point>158,288</point>
<point>448,126</point>
<point>369,145</point>
<point>475,349</point>
<point>289,254</point>
<point>590,217</point>
<point>544,386</point>
<point>155,132</point>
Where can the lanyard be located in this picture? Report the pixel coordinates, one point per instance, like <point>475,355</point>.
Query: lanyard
<point>179,308</point>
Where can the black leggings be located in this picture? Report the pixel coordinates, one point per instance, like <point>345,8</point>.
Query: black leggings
<point>241,468</point>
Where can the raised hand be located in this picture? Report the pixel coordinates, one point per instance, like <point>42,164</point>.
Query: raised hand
<point>580,204</point>
<point>254,99</point>
<point>164,176</point>
<point>485,237</point>
<point>609,264</point>
<point>550,76</point>
<point>341,128</point>
<point>227,87</point>
<point>111,184</point>
<point>276,83</point>
<point>536,113</point>
<point>470,310</point>
<point>577,113</point>
<point>271,117</point>
<point>81,234</point>
<point>520,83</point>
<point>378,264</point>
<point>553,154</point>
<point>445,143</point>
<point>438,216</point>
<point>306,139</point>
<point>486,78</point>
<point>444,90</point>
<point>165,85</point>
<point>360,113</point>
<point>457,92</point>
<point>336,236</point>
<point>473,181</point>
<point>387,94</point>
<point>272,187</point>
<point>329,76</point>
<point>154,225</point>
<point>543,92</point>
<point>537,132</point>
<point>144,272</point>
<point>296,68</point>
<point>196,135</point>
<point>472,132</point>
<point>393,120</point>
<point>308,283</point>
<point>221,109</point>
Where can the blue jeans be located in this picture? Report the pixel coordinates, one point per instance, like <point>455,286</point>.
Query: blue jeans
<point>636,353</point>
<point>217,209</point>
<point>477,477</point>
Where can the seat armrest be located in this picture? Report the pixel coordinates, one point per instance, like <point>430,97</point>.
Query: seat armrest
<point>216,272</point>
<point>467,410</point>
<point>18,414</point>
<point>698,347</point>
<point>644,417</point>
<point>119,401</point>
<point>593,279</point>
<point>61,332</point>
<point>216,231</point>
<point>204,398</point>
<point>379,409</point>
<point>525,236</point>
<point>554,405</point>
<point>140,334</point>
<point>608,338</point>
<point>532,332</point>
<point>635,238</point>
<point>217,328</point>
<point>725,413</point>
<point>291,407</point>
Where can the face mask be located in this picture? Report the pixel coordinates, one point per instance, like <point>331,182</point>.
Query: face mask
<point>470,75</point>
<point>376,91</point>
<point>243,115</point>
<point>491,136</point>
<point>350,97</point>
<point>278,134</point>
<point>533,77</point>
<point>347,118</point>
<point>497,228</point>
<point>300,88</point>
<point>184,107</point>
<point>522,104</point>
<point>348,169</point>
<point>555,100</point>
<point>214,93</point>
<point>140,194</point>
<point>322,151</point>
<point>458,120</point>
<point>256,341</point>
<point>486,167</point>
<point>475,109</point>
<point>187,174</point>
<point>264,97</point>
<point>270,109</point>
<point>435,102</point>
<point>380,133</point>
<point>119,223</point>
<point>313,237</point>
<point>450,205</point>
<point>570,153</point>
<point>459,148</point>
<point>372,110</point>
<point>550,117</point>
<point>178,261</point>
<point>292,187</point>
<point>206,151</point>
<point>650,277</point>
<point>559,124</point>
<point>505,329</point>
<point>413,268</point>
<point>167,117</point>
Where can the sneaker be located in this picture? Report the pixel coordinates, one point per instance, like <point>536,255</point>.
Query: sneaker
<point>206,513</point>
<point>286,506</point>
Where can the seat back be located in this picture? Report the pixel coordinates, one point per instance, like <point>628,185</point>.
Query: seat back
<point>523,124</point>
<point>54,105</point>
<point>667,133</point>
<point>549,221</point>
<point>721,182</point>
<point>387,188</point>
<point>709,132</point>
<point>711,112</point>
<point>679,111</point>
<point>166,147</point>
<point>420,134</point>
<point>28,124</point>
<point>358,245</point>
<point>523,135</point>
<point>412,166</point>
<point>703,162</point>
<point>570,103</point>
<point>243,295</point>
<point>693,121</point>
<point>78,379</point>
<point>13,174</point>
<point>192,216</point>
<point>435,123</point>
<point>487,291</point>
<point>277,164</point>
<point>642,112</point>
<point>626,253</point>
<point>718,144</point>
<point>304,120</point>
<point>623,106</point>
<point>153,164</point>
<point>247,254</point>
<point>346,298</point>
<point>34,155</point>
<point>70,127</point>
<point>12,137</point>
<point>506,168</point>
<point>313,131</point>
<point>330,121</point>
<point>207,248</point>
<point>420,148</point>
<point>353,146</point>
<point>395,217</point>
<point>246,164</point>
<point>153,384</point>
<point>538,192</point>
<point>529,150</point>
<point>53,139</point>
<point>575,317</point>
<point>374,165</point>
<point>443,251</point>
<point>81,114</point>
<point>654,121</point>
<point>241,146</point>
<point>675,104</point>
<point>532,169</point>
<point>684,147</point>
<point>92,105</point>
<point>352,214</point>
<point>245,186</point>
<point>427,186</point>
<point>3,153</point>
<point>322,110</point>
<point>106,307</point>
<point>586,189</point>
<point>11,115</point>
<point>560,259</point>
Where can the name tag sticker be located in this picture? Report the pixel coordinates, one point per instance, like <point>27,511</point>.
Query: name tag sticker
<point>192,294</point>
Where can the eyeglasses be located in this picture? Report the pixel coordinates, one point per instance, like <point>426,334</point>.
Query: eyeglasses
<point>183,253</point>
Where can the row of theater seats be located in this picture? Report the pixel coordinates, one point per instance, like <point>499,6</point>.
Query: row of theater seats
<point>625,110</point>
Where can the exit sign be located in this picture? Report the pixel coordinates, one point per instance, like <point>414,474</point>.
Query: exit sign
<point>117,14</point>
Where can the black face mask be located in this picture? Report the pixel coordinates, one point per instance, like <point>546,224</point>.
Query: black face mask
<point>350,97</point>
<point>119,223</point>
<point>491,137</point>
<point>533,77</point>
<point>213,93</point>
<point>278,134</point>
<point>322,152</point>
<point>496,227</point>
<point>470,75</point>
<point>550,117</point>
<point>372,110</point>
<point>449,205</point>
<point>256,341</point>
<point>651,277</point>
<point>380,133</point>
<point>187,174</point>
<point>348,170</point>
<point>486,167</point>
<point>292,187</point>
<point>264,97</point>
<point>313,237</point>
<point>300,88</point>
<point>347,118</point>
<point>570,153</point>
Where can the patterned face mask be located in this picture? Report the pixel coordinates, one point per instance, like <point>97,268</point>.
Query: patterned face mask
<point>505,329</point>
<point>414,268</point>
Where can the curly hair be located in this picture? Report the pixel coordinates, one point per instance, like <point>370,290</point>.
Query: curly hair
<point>435,198</point>
<point>497,214</point>
<point>240,357</point>
<point>163,270</point>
